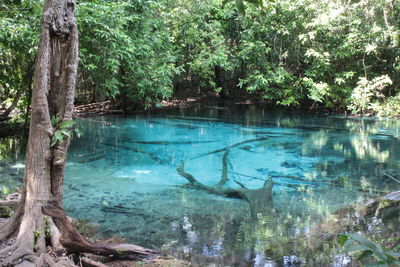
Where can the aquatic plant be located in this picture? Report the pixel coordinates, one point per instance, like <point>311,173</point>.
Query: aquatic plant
<point>368,249</point>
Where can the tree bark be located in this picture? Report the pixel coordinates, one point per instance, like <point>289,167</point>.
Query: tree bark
<point>52,97</point>
<point>53,94</point>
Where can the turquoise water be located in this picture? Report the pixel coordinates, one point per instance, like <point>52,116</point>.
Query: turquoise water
<point>121,175</point>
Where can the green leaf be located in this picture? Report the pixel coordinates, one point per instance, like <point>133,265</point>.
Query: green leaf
<point>54,120</point>
<point>53,141</point>
<point>66,132</point>
<point>362,240</point>
<point>357,248</point>
<point>343,239</point>
<point>58,135</point>
<point>66,124</point>
<point>393,254</point>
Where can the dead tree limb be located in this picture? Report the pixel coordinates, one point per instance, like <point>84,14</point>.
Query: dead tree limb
<point>260,200</point>
<point>225,192</point>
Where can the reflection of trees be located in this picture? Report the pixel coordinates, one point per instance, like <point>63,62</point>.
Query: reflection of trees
<point>364,147</point>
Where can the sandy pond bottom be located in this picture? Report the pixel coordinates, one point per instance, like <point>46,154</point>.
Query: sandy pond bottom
<point>121,175</point>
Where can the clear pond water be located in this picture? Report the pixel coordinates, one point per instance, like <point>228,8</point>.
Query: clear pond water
<point>121,175</point>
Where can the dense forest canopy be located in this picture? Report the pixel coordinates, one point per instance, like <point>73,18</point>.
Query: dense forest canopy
<point>341,55</point>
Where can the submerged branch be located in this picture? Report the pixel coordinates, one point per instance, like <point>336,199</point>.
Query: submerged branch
<point>226,192</point>
<point>391,177</point>
<point>231,146</point>
<point>170,142</point>
<point>151,155</point>
<point>260,200</point>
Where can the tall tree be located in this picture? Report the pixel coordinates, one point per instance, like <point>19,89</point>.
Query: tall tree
<point>39,220</point>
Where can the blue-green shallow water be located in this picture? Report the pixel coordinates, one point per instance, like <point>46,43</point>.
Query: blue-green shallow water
<point>121,174</point>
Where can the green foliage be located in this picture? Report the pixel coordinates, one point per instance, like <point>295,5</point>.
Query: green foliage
<point>47,230</point>
<point>5,190</point>
<point>19,34</point>
<point>197,35</point>
<point>367,249</point>
<point>367,91</point>
<point>62,129</point>
<point>334,54</point>
<point>125,51</point>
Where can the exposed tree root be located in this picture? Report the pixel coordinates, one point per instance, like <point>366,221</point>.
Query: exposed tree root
<point>10,226</point>
<point>85,261</point>
<point>37,231</point>
<point>11,200</point>
<point>74,242</point>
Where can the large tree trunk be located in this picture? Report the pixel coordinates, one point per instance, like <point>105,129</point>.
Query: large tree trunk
<point>52,96</point>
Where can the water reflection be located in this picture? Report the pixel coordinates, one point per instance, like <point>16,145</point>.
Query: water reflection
<point>319,164</point>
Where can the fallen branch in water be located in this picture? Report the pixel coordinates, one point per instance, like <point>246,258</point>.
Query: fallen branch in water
<point>231,146</point>
<point>391,177</point>
<point>260,200</point>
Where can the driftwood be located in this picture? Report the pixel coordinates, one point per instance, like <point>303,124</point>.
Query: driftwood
<point>74,242</point>
<point>99,108</point>
<point>260,200</point>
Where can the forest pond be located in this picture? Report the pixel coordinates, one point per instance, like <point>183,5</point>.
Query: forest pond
<point>122,175</point>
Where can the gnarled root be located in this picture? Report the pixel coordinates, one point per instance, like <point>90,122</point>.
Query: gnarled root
<point>74,242</point>
<point>17,251</point>
<point>10,226</point>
